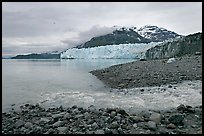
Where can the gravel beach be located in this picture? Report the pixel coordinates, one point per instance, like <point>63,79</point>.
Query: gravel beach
<point>33,119</point>
<point>151,73</point>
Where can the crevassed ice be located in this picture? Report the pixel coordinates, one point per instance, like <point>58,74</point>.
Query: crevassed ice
<point>121,51</point>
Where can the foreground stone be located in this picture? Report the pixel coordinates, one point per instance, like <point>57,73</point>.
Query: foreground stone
<point>77,120</point>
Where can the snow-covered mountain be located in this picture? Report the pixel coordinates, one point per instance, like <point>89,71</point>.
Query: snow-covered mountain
<point>124,51</point>
<point>123,42</point>
<point>120,35</point>
<point>155,33</point>
<point>124,35</point>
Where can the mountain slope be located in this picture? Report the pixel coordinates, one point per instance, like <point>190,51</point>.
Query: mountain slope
<point>117,37</point>
<point>124,35</point>
<point>156,34</point>
<point>38,56</point>
<point>182,46</point>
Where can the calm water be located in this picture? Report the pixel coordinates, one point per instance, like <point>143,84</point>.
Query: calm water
<point>47,81</point>
<point>68,82</point>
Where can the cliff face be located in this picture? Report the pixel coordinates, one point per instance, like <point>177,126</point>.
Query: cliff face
<point>182,46</point>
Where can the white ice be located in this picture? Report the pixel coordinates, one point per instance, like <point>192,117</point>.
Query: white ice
<point>121,51</point>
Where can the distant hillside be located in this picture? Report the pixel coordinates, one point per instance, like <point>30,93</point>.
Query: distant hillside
<point>124,35</point>
<point>117,37</point>
<point>38,56</point>
<point>186,45</point>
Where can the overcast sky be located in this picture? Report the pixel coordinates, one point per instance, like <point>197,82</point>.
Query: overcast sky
<point>29,27</point>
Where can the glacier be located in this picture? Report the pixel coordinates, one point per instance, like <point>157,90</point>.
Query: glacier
<point>121,51</point>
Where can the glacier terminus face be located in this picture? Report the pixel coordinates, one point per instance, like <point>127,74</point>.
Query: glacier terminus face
<point>121,51</point>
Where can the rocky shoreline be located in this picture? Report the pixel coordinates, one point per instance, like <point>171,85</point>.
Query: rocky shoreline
<point>151,72</point>
<point>33,119</point>
<point>184,119</point>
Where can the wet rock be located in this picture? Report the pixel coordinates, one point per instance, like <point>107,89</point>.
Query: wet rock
<point>50,131</point>
<point>181,107</point>
<point>176,119</point>
<point>163,130</point>
<point>57,116</point>
<point>28,125</point>
<point>135,119</point>
<point>92,109</point>
<point>74,107</point>
<point>37,130</point>
<point>151,125</point>
<point>100,131</point>
<point>113,114</point>
<point>45,120</point>
<point>156,117</point>
<point>58,124</point>
<point>19,123</point>
<point>120,130</point>
<point>171,126</point>
<point>94,126</point>
<point>135,125</point>
<point>67,116</point>
<point>107,131</point>
<point>142,90</point>
<point>62,129</point>
<point>114,125</point>
<point>145,114</point>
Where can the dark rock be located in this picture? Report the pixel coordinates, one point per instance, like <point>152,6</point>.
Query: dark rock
<point>121,111</point>
<point>74,107</point>
<point>114,125</point>
<point>120,130</point>
<point>107,131</point>
<point>142,90</point>
<point>197,53</point>
<point>143,60</point>
<point>176,119</point>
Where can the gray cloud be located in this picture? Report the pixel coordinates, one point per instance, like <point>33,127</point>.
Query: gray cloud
<point>34,26</point>
<point>84,36</point>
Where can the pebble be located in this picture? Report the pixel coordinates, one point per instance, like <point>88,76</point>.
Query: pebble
<point>176,119</point>
<point>113,114</point>
<point>19,123</point>
<point>58,124</point>
<point>62,129</point>
<point>109,121</point>
<point>152,125</point>
<point>171,126</point>
<point>156,117</point>
<point>99,132</point>
<point>28,125</point>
